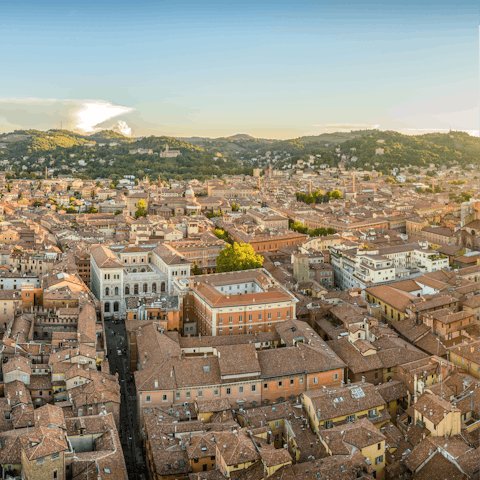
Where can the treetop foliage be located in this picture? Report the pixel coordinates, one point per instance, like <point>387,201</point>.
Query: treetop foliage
<point>239,256</point>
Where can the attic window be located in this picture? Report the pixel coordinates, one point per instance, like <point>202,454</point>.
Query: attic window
<point>106,470</point>
<point>206,368</point>
<point>204,449</point>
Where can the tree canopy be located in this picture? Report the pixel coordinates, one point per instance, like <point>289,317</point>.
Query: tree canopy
<point>142,209</point>
<point>239,256</point>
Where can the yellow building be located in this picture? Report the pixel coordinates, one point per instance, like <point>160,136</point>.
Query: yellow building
<point>435,414</point>
<point>206,408</point>
<point>328,408</point>
<point>361,435</point>
<point>239,450</point>
<point>393,302</point>
<point>467,357</point>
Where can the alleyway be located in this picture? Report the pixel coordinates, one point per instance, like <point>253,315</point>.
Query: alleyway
<point>131,444</point>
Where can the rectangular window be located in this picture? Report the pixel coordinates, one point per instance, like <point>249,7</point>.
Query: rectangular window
<point>148,399</point>
<point>265,386</point>
<point>279,314</point>
<point>55,474</point>
<point>55,456</point>
<point>240,318</point>
<point>350,418</point>
<point>177,395</point>
<point>315,380</point>
<point>40,460</point>
<point>250,318</point>
<point>230,319</point>
<point>200,393</point>
<point>379,460</point>
<point>335,376</point>
<point>280,384</point>
<point>259,316</point>
<point>292,382</point>
<point>240,389</point>
<point>164,398</point>
<point>254,388</point>
<point>188,394</point>
<point>215,392</point>
<point>269,316</point>
<point>301,380</point>
<point>229,390</point>
<point>220,320</point>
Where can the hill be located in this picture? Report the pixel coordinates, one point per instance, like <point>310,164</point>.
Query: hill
<point>109,154</point>
<point>413,150</point>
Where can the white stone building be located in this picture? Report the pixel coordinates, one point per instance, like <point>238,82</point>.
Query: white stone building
<point>119,272</point>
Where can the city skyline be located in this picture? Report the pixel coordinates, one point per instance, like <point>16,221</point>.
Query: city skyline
<point>271,70</point>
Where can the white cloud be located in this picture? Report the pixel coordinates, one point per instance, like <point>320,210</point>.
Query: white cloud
<point>46,113</point>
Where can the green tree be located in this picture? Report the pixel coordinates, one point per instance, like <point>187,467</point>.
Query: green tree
<point>336,194</point>
<point>221,234</point>
<point>91,210</point>
<point>196,270</point>
<point>142,209</point>
<point>118,212</point>
<point>239,256</point>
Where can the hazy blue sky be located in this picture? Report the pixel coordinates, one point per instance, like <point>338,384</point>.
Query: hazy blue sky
<point>267,68</point>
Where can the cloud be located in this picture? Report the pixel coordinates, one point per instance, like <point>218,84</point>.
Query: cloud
<point>41,113</point>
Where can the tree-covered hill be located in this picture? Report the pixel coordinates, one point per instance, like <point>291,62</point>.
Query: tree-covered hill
<point>109,154</point>
<point>246,145</point>
<point>415,150</point>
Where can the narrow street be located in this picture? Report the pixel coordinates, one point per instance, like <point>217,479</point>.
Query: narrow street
<point>131,443</point>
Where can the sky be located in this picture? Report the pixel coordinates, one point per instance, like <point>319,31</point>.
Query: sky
<point>272,69</point>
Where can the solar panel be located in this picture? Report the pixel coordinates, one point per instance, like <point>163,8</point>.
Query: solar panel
<point>357,393</point>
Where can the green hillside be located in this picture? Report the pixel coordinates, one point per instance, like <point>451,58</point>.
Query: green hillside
<point>69,153</point>
<point>416,150</point>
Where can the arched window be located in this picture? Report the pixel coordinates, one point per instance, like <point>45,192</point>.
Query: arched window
<point>116,290</point>
<point>107,292</point>
<point>142,270</point>
<point>127,289</point>
<point>107,307</point>
<point>135,289</point>
<point>162,287</point>
<point>115,306</point>
<point>154,287</point>
<point>145,288</point>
